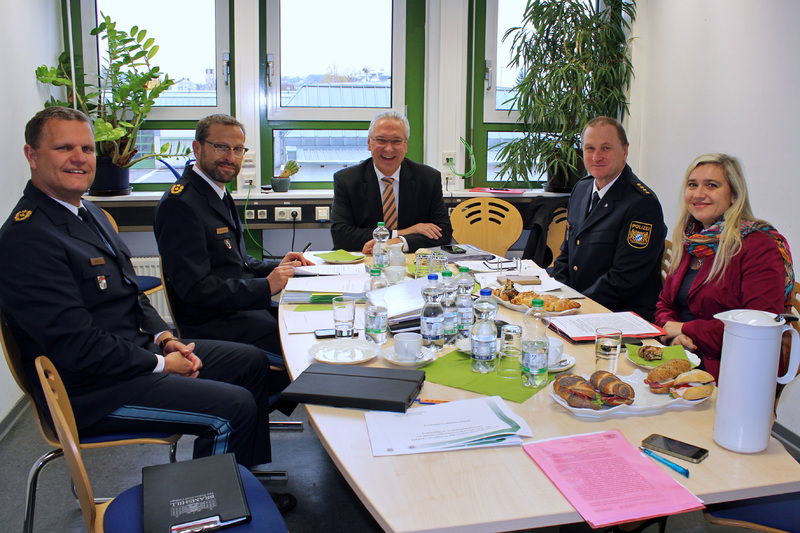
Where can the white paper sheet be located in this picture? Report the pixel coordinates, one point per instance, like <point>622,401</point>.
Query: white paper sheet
<point>457,425</point>
<point>351,283</point>
<point>582,327</point>
<point>330,270</point>
<point>310,321</point>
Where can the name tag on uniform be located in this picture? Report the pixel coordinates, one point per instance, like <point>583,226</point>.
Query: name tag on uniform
<point>97,261</point>
<point>220,231</point>
<point>102,284</point>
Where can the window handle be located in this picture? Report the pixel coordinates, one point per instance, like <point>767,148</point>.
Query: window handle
<point>226,67</point>
<point>270,68</point>
<point>488,74</point>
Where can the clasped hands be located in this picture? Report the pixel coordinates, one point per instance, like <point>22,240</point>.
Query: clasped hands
<point>180,359</point>
<point>675,336</point>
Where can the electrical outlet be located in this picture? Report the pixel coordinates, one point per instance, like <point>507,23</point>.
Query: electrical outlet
<point>448,158</point>
<point>249,214</point>
<point>262,214</point>
<point>322,213</point>
<point>284,214</point>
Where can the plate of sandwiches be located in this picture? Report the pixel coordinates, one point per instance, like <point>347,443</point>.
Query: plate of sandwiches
<point>605,395</point>
<point>509,297</point>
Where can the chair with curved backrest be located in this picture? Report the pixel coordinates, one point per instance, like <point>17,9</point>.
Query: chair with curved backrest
<point>666,259</point>
<point>14,359</point>
<point>124,513</point>
<point>147,284</point>
<point>555,233</point>
<point>490,224</point>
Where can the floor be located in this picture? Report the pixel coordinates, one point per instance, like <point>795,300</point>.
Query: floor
<point>325,501</point>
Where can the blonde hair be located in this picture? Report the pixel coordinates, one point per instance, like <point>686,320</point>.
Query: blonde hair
<point>730,239</point>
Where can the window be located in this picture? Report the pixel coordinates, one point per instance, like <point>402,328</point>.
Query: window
<point>320,153</point>
<point>500,77</point>
<point>192,36</point>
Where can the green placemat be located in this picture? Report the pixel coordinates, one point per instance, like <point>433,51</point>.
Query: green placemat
<point>340,256</point>
<point>670,352</point>
<point>455,370</point>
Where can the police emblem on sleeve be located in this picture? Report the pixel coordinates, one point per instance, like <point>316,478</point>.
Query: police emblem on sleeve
<point>639,234</point>
<point>21,215</point>
<point>176,189</point>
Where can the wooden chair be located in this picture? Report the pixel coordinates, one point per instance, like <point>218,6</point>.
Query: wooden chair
<point>666,260</point>
<point>555,233</point>
<point>124,513</point>
<point>488,223</point>
<point>147,284</point>
<point>14,360</point>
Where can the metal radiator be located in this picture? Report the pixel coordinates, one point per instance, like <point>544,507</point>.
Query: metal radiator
<point>151,266</point>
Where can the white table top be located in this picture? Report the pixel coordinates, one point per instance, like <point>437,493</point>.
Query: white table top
<point>441,491</point>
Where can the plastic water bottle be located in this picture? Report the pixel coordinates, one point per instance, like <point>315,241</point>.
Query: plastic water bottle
<point>376,281</point>
<point>484,334</point>
<point>466,316</point>
<point>535,346</point>
<point>380,252</point>
<point>464,281</point>
<point>432,315</point>
<point>449,291</point>
<point>376,318</point>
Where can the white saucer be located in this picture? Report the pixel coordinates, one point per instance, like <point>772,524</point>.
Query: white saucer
<point>570,364</point>
<point>344,352</point>
<point>391,356</point>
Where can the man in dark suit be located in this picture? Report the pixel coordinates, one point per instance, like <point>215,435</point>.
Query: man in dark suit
<point>613,247</point>
<point>416,214</point>
<point>69,291</point>
<point>219,291</point>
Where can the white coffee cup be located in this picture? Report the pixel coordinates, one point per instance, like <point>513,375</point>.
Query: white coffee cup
<point>408,346</point>
<point>556,349</point>
<point>394,274</point>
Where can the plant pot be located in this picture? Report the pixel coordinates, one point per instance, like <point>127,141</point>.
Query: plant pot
<point>281,184</point>
<point>110,180</point>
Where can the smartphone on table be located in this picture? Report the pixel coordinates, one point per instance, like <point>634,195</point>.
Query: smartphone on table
<point>675,448</point>
<point>449,248</point>
<point>329,333</point>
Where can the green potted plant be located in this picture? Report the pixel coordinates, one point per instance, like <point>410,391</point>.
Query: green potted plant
<point>118,101</point>
<point>281,183</point>
<point>574,65</point>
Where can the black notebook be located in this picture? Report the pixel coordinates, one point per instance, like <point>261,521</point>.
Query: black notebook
<point>381,389</point>
<point>202,493</point>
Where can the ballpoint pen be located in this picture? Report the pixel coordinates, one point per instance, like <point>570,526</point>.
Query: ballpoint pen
<point>679,469</point>
<point>306,248</point>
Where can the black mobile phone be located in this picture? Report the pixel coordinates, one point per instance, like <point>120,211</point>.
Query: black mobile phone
<point>675,448</point>
<point>449,248</point>
<point>329,333</point>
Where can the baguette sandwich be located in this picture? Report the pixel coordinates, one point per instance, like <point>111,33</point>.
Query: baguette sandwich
<point>662,377</point>
<point>576,391</point>
<point>693,385</point>
<point>613,391</point>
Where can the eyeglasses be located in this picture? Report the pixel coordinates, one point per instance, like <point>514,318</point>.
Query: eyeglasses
<point>380,141</point>
<point>223,149</point>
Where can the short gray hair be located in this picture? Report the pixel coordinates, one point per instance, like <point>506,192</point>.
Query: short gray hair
<point>390,115</point>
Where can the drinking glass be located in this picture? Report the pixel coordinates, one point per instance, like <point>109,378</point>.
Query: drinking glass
<point>344,316</point>
<point>607,344</point>
<point>508,363</point>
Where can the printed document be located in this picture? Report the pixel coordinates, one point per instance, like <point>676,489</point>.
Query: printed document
<point>582,327</point>
<point>457,425</point>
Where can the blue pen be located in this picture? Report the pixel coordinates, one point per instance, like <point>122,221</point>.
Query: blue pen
<point>679,469</point>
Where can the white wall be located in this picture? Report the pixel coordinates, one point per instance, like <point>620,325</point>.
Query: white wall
<point>32,39</point>
<point>719,76</point>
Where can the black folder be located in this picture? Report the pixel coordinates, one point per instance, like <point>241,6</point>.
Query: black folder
<point>375,388</point>
<point>202,493</point>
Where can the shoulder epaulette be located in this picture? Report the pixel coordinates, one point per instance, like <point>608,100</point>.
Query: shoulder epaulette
<point>177,189</point>
<point>24,215</point>
<point>641,188</point>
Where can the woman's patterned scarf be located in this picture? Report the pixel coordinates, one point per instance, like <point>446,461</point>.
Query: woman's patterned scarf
<point>704,242</point>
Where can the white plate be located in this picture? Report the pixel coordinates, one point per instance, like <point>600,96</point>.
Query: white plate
<point>356,260</point>
<point>570,364</point>
<point>693,358</point>
<point>524,308</point>
<point>344,352</point>
<point>644,402</point>
<point>391,355</point>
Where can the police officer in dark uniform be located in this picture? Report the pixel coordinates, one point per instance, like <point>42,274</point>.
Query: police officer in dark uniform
<point>615,234</point>
<point>218,290</point>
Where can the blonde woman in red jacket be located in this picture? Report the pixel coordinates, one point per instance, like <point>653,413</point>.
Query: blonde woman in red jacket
<point>723,258</point>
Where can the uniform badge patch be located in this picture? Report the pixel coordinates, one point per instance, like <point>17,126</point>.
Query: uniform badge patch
<point>97,261</point>
<point>102,284</point>
<point>220,231</point>
<point>639,234</point>
<point>19,216</point>
<point>227,243</point>
<point>176,189</point>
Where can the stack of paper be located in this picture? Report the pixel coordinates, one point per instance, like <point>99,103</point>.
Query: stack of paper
<point>320,289</point>
<point>458,425</point>
<point>581,328</point>
<point>403,301</point>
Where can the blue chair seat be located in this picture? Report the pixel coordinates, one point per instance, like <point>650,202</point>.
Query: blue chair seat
<point>779,512</point>
<point>147,283</point>
<point>124,514</point>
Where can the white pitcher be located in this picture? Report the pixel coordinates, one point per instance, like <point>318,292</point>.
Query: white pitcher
<point>748,376</point>
<point>396,255</point>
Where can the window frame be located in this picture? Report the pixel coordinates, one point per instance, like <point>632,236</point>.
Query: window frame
<point>223,39</point>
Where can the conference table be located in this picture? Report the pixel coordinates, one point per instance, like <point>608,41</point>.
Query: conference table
<point>502,489</point>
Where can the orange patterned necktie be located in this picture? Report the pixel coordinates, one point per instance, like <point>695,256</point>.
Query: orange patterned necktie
<point>389,205</point>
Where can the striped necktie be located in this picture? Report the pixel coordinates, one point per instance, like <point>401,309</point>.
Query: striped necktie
<point>389,205</point>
